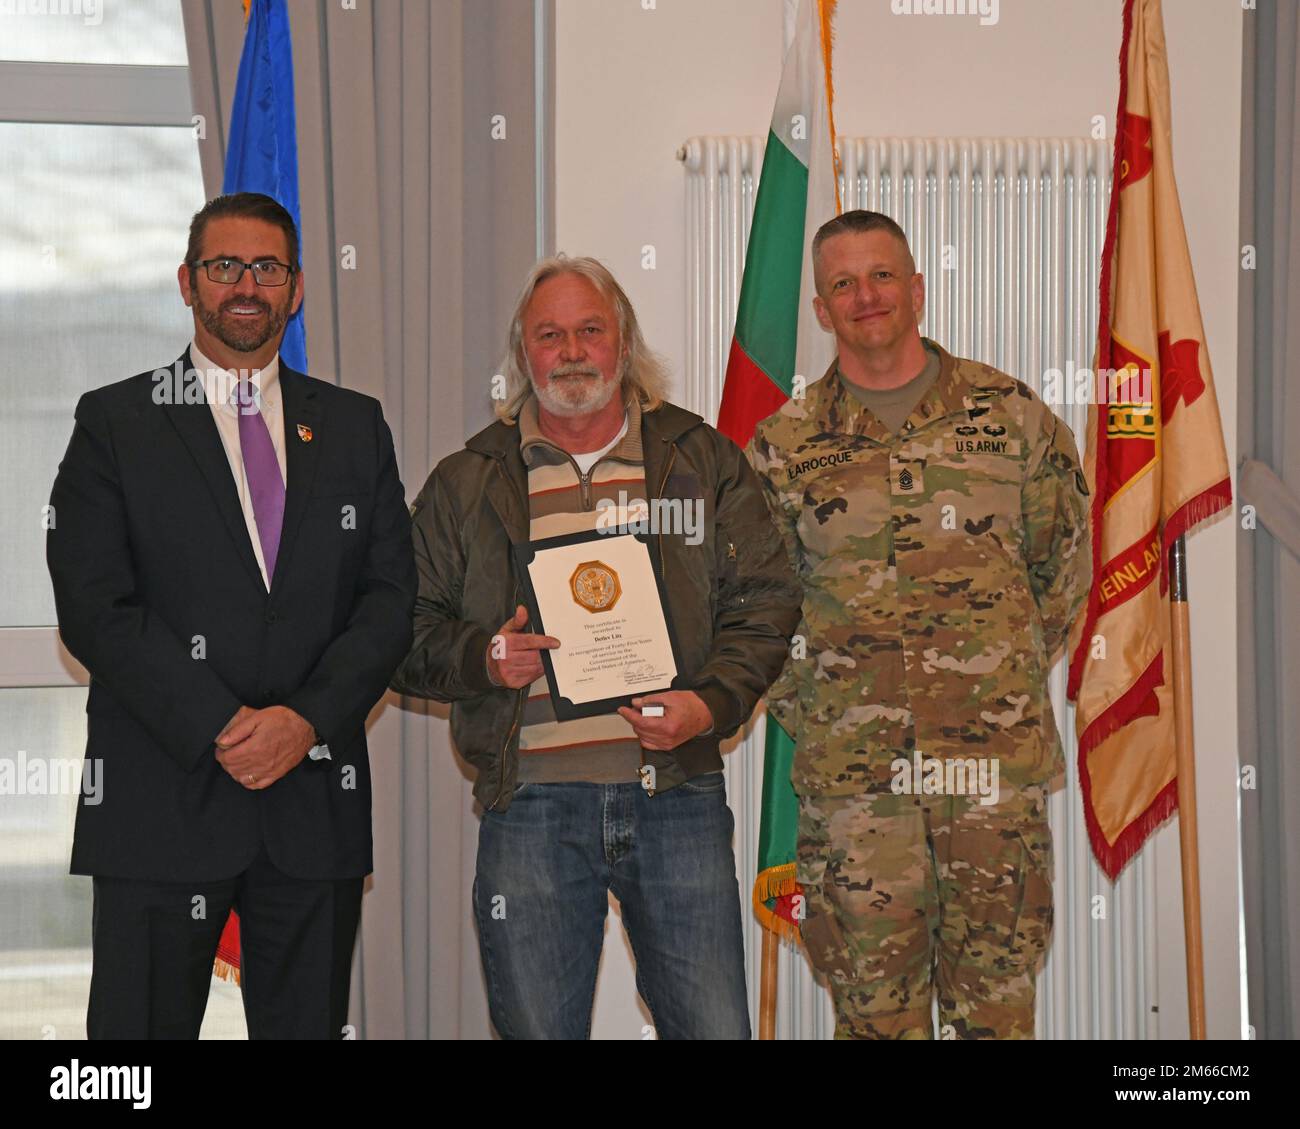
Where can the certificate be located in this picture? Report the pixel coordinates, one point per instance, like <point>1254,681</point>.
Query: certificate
<point>601,595</point>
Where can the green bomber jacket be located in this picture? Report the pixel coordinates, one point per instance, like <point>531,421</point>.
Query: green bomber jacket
<point>733,597</point>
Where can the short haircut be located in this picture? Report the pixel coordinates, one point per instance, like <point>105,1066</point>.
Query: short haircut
<point>858,222</point>
<point>253,205</point>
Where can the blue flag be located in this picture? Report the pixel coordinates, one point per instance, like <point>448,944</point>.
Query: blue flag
<point>262,154</point>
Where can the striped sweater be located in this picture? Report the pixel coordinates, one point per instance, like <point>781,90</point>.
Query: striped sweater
<point>562,500</point>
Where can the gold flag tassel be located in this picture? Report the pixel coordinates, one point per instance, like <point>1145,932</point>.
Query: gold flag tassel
<point>776,882</point>
<point>224,970</point>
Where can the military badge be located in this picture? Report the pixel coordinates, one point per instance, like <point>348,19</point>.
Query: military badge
<point>906,476</point>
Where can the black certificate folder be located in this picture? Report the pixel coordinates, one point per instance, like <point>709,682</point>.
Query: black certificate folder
<point>602,595</point>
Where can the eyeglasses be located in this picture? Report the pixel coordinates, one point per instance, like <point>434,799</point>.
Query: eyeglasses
<point>266,272</point>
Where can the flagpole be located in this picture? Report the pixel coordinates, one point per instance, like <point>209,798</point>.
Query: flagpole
<point>767,986</point>
<point>767,978</point>
<point>1181,647</point>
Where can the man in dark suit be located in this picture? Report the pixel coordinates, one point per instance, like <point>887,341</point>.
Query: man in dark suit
<point>231,557</point>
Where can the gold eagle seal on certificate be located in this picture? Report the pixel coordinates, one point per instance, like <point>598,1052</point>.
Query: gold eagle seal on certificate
<point>595,586</point>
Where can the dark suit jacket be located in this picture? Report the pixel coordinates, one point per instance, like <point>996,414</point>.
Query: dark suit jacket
<point>160,597</point>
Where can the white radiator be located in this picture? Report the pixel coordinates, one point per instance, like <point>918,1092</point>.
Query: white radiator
<point>1008,233</point>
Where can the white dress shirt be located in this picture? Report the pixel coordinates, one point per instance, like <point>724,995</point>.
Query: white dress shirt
<point>219,387</point>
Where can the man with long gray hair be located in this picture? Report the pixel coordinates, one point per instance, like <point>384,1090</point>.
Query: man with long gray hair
<point>623,801</point>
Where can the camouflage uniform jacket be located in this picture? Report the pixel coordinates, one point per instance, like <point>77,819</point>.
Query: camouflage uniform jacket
<point>941,569</point>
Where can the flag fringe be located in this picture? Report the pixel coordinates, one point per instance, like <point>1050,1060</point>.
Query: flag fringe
<point>774,923</point>
<point>775,882</point>
<point>1206,504</point>
<point>826,17</point>
<point>1113,857</point>
<point>224,970</point>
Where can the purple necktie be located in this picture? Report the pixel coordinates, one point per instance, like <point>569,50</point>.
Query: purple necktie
<point>263,471</point>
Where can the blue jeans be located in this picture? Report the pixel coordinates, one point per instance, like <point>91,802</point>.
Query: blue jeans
<point>545,867</point>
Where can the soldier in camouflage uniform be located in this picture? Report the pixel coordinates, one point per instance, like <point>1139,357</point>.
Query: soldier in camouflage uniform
<point>936,513</point>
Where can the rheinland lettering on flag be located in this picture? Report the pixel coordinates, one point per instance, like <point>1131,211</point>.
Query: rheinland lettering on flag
<point>777,340</point>
<point>1155,463</point>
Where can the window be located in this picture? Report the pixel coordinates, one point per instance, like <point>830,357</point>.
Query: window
<point>99,176</point>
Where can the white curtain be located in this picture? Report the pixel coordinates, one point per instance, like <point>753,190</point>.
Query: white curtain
<point>418,227</point>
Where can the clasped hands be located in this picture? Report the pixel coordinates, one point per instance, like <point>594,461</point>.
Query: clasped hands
<point>514,661</point>
<point>257,747</point>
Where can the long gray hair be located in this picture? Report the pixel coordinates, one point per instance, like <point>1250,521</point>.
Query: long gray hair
<point>645,375</point>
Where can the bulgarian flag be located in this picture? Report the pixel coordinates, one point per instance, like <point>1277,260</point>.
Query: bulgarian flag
<point>777,341</point>
<point>262,156</point>
<point>1155,463</point>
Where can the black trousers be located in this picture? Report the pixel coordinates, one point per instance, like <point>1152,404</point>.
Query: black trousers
<point>154,944</point>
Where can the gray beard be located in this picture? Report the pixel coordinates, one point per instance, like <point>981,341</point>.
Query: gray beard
<point>596,394</point>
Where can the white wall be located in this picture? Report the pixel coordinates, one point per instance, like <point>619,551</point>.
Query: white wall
<point>631,85</point>
<point>633,82</point>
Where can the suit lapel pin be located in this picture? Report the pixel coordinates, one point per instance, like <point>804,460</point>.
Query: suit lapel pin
<point>304,433</point>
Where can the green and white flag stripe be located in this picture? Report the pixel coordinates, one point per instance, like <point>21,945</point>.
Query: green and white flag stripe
<point>778,349</point>
<point>777,336</point>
